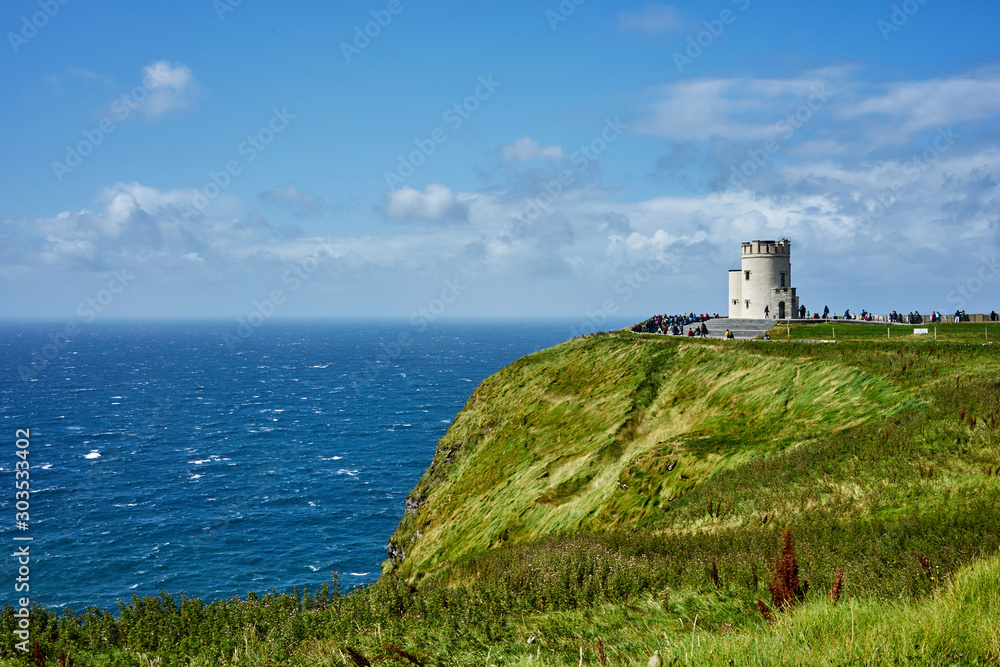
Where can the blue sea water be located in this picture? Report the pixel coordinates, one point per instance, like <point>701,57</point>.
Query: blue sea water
<point>164,458</point>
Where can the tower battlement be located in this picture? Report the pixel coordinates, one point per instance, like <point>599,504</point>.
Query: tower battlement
<point>782,247</point>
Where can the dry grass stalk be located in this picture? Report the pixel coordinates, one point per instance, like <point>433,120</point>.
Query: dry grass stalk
<point>925,564</point>
<point>36,656</point>
<point>404,653</point>
<point>784,587</point>
<point>837,583</point>
<point>764,611</point>
<point>358,658</point>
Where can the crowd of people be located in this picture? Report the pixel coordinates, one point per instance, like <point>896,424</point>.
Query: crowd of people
<point>913,317</point>
<point>674,324</point>
<point>805,313</point>
<point>960,316</point>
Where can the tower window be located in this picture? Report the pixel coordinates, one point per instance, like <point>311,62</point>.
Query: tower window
<point>782,279</point>
<point>746,275</point>
<point>748,303</point>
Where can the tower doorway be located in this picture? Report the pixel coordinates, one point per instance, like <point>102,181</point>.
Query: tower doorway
<point>781,310</point>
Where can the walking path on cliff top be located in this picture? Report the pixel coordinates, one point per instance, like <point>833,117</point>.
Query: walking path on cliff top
<point>750,329</point>
<point>741,329</point>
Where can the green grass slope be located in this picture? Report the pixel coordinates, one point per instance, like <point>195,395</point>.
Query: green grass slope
<point>621,495</point>
<point>614,431</point>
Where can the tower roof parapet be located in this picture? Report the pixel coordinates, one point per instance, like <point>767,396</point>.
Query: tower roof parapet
<point>782,247</point>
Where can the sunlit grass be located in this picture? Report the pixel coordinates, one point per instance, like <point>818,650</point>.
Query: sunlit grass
<point>628,494</point>
<point>847,331</point>
<point>581,436</point>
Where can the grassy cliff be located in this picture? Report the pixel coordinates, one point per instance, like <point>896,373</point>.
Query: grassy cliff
<point>619,496</point>
<point>614,432</point>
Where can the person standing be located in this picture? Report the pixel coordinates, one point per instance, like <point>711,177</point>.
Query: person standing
<point>765,311</point>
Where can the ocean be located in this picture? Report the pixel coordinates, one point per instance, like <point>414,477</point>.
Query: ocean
<point>190,457</point>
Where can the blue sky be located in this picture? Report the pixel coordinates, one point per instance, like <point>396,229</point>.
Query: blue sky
<point>583,159</point>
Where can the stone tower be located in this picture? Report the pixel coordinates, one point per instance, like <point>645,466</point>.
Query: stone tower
<point>764,279</point>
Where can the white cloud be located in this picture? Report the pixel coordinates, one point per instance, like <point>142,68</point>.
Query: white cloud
<point>733,108</point>
<point>299,201</point>
<point>654,19</point>
<point>526,149</point>
<point>90,75</point>
<point>134,224</point>
<point>842,114</point>
<point>170,88</point>
<point>436,204</point>
<point>910,107</point>
<point>149,199</point>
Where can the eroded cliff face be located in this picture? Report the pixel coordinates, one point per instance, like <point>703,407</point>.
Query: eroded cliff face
<point>607,431</point>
